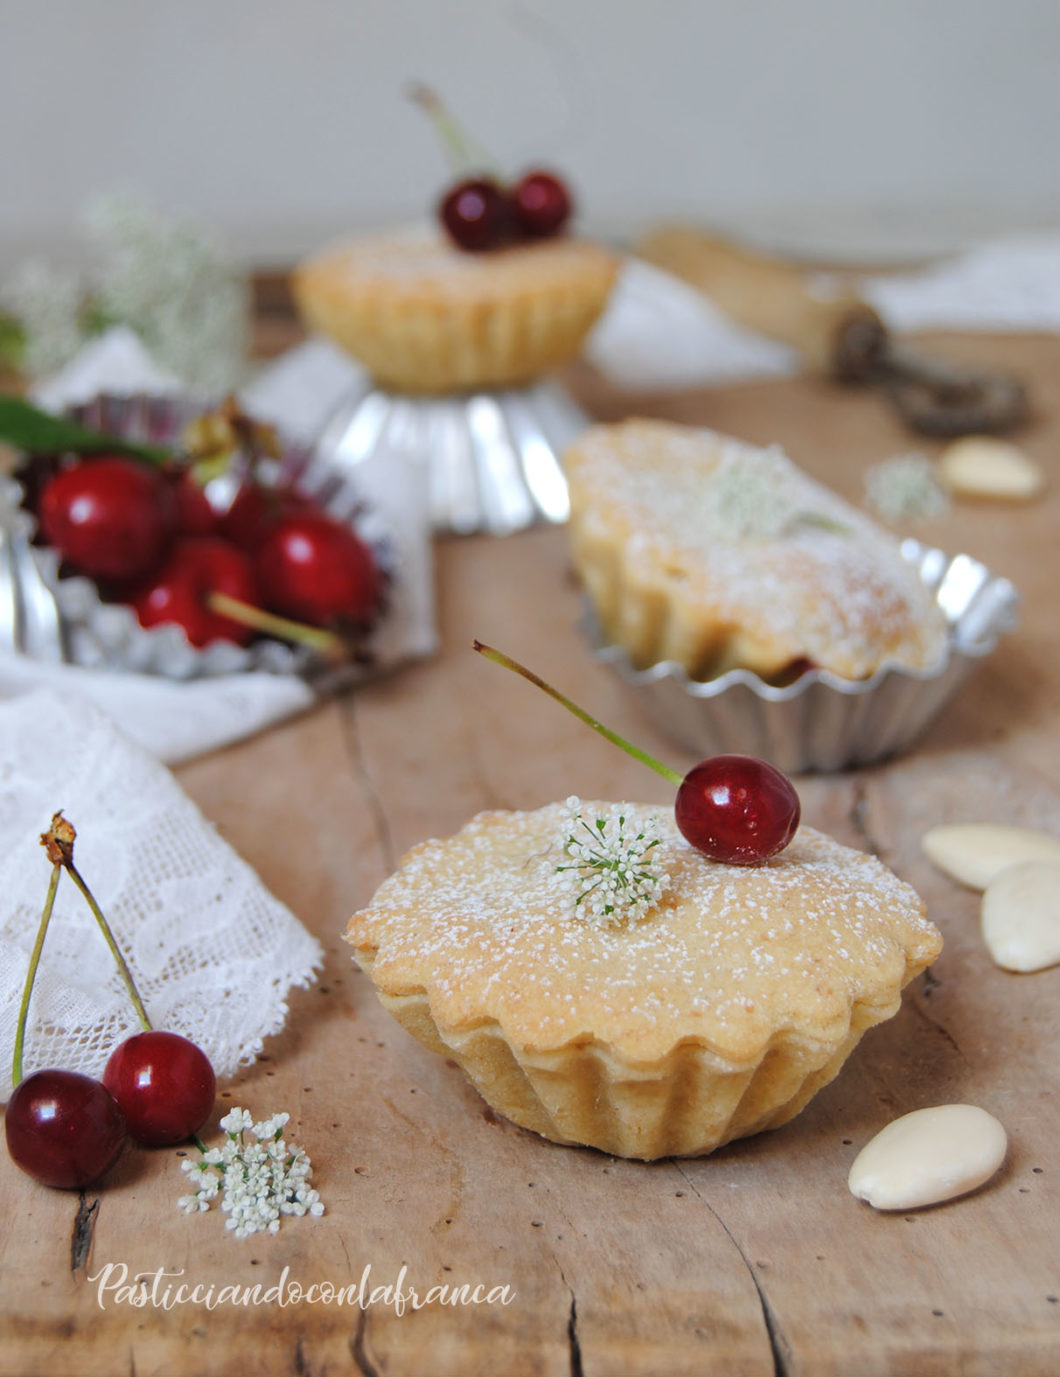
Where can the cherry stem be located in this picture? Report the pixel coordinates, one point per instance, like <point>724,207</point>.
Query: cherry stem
<point>115,950</point>
<point>465,154</point>
<point>326,642</point>
<point>31,975</point>
<point>498,657</point>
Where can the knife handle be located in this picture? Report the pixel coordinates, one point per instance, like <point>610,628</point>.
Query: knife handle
<point>835,333</point>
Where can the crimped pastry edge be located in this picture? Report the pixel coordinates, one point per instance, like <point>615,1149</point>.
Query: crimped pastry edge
<point>430,344</point>
<point>686,1103</point>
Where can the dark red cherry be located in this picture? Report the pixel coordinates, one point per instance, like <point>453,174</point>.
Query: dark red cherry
<point>254,510</point>
<point>63,1128</point>
<point>111,518</point>
<point>315,569</point>
<point>164,1084</point>
<point>541,204</point>
<point>475,214</point>
<point>194,515</point>
<point>737,809</point>
<point>178,593</point>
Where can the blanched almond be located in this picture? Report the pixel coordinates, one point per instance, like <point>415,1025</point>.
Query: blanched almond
<point>928,1156</point>
<point>972,853</point>
<point>1021,916</point>
<point>980,466</point>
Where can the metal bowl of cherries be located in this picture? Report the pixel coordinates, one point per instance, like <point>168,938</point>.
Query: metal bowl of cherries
<point>184,542</point>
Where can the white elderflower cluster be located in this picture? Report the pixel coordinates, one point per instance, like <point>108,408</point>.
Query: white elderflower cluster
<point>613,875</point>
<point>905,488</point>
<point>163,278</point>
<point>259,1177</point>
<point>747,495</point>
<point>750,496</point>
<point>46,301</point>
<point>170,283</point>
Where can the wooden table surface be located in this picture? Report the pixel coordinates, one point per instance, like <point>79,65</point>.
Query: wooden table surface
<point>755,1260</point>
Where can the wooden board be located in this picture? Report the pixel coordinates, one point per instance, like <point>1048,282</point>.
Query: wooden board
<point>755,1260</point>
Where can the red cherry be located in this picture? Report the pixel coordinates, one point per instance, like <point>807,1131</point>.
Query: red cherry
<point>63,1128</point>
<point>254,510</point>
<point>316,570</point>
<point>737,809</point>
<point>541,204</point>
<point>197,567</point>
<point>475,214</point>
<point>111,517</point>
<point>194,515</point>
<point>164,1084</point>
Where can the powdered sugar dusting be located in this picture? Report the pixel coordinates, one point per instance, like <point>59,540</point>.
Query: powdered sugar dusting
<point>767,551</point>
<point>728,956</point>
<point>419,259</point>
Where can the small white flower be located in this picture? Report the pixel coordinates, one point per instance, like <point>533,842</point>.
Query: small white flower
<point>905,488</point>
<point>613,875</point>
<point>261,1177</point>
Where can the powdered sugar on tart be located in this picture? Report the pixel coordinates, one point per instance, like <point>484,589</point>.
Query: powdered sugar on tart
<point>702,549</point>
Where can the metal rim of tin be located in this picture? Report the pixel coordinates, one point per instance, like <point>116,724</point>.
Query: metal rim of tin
<point>491,458</point>
<point>821,722</point>
<point>86,631</point>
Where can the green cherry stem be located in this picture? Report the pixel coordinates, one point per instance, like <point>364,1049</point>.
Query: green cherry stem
<point>498,657</point>
<point>326,643</point>
<point>31,975</point>
<point>58,841</point>
<point>465,154</point>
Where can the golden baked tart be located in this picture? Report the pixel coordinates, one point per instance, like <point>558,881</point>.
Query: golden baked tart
<point>702,550</point>
<point>712,1007</point>
<point>425,316</point>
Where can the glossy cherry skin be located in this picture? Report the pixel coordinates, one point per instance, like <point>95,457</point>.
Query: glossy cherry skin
<point>111,518</point>
<point>194,515</point>
<point>164,1084</point>
<point>541,204</point>
<point>317,570</point>
<point>63,1128</point>
<point>255,510</point>
<point>178,593</point>
<point>737,809</point>
<point>475,214</point>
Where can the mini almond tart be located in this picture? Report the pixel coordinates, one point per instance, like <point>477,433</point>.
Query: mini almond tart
<point>717,1015</point>
<point>424,316</point>
<point>701,550</point>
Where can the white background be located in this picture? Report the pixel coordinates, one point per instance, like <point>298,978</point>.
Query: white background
<point>860,127</point>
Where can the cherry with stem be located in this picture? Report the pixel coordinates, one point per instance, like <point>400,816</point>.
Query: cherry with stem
<point>163,1082</point>
<point>63,1128</point>
<point>735,809</point>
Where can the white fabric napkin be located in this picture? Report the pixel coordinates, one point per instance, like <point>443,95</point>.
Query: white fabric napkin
<point>176,721</point>
<point>658,332</point>
<point>213,954</point>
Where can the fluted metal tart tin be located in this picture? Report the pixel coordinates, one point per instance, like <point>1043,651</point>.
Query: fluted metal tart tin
<point>490,459</point>
<point>50,614</point>
<point>821,722</point>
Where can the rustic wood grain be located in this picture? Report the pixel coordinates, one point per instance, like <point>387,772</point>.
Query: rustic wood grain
<point>755,1260</point>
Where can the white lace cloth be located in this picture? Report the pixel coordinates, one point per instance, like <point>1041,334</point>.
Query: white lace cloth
<point>213,953</point>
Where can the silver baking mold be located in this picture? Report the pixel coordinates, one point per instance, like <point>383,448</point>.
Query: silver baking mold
<point>821,722</point>
<point>48,614</point>
<point>491,459</point>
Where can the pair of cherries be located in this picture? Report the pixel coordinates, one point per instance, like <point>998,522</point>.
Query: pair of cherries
<point>478,213</point>
<point>67,1129</point>
<point>155,542</point>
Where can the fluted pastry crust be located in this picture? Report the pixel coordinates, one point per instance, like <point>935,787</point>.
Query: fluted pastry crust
<point>720,1014</point>
<point>702,550</point>
<point>423,316</point>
